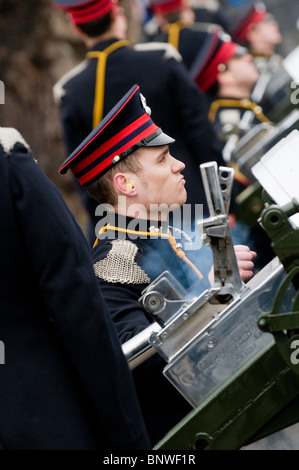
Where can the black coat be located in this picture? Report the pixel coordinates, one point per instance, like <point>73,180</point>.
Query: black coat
<point>65,383</point>
<point>191,41</point>
<point>177,106</point>
<point>238,108</point>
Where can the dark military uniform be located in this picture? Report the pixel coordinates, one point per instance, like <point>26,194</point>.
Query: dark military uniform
<point>65,383</point>
<point>124,267</point>
<point>188,39</point>
<point>232,112</point>
<point>176,105</point>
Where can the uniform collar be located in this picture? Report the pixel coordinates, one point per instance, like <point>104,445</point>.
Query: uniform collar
<point>265,55</point>
<point>101,45</point>
<point>143,228</point>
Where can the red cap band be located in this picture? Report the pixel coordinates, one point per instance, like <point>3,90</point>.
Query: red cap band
<point>210,73</point>
<point>93,10</point>
<point>166,7</point>
<point>255,18</point>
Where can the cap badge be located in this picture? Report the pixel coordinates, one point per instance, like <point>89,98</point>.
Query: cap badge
<point>143,102</point>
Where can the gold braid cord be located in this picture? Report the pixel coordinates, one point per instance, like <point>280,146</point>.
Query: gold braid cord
<point>123,255</point>
<point>100,78</point>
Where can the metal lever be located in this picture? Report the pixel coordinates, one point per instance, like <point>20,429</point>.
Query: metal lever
<point>212,188</point>
<point>216,230</point>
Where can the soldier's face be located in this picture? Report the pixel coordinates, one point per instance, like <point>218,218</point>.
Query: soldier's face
<point>160,180</point>
<point>243,70</point>
<point>268,32</point>
<point>121,23</point>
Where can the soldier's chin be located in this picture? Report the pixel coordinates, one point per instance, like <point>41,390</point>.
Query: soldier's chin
<point>185,198</point>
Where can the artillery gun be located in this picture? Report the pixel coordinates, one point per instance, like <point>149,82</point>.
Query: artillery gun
<point>232,351</point>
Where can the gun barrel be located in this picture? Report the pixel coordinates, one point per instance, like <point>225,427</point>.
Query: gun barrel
<point>138,349</point>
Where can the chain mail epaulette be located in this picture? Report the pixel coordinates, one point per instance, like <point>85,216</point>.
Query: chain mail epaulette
<point>120,266</point>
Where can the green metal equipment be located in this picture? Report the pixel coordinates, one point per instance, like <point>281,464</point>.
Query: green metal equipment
<point>233,351</point>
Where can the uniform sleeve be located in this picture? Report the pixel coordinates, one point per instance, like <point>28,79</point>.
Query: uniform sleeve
<point>122,299</point>
<point>127,314</point>
<point>73,303</point>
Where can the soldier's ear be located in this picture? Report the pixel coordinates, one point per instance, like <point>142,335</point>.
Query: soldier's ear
<point>224,77</point>
<point>124,184</point>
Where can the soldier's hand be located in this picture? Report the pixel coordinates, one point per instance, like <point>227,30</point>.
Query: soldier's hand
<point>245,258</point>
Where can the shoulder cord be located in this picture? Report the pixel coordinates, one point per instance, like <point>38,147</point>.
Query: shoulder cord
<point>173,31</point>
<point>238,176</point>
<point>244,104</point>
<point>100,78</point>
<point>178,251</point>
<point>174,34</point>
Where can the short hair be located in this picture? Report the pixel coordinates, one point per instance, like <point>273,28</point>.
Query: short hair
<point>214,89</point>
<point>103,190</point>
<point>97,27</point>
<point>173,16</point>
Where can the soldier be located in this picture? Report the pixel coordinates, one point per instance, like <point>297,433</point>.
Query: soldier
<point>259,31</point>
<point>125,164</point>
<point>228,75</point>
<point>111,67</point>
<point>65,384</point>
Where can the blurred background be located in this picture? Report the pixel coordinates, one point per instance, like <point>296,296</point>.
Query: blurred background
<point>37,46</point>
